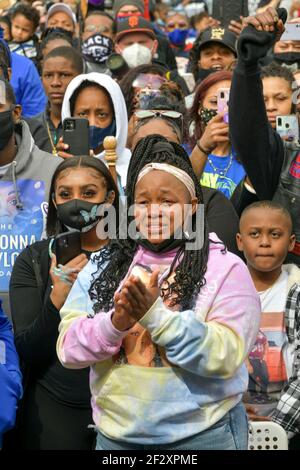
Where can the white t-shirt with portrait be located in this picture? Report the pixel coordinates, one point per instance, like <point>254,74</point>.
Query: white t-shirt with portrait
<point>271,360</point>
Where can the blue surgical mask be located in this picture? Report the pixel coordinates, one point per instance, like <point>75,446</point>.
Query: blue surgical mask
<point>98,134</point>
<point>178,36</point>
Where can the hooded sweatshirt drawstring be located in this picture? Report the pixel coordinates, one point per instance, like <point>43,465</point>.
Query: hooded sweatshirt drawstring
<point>19,204</point>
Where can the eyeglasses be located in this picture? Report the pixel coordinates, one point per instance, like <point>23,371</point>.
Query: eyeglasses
<point>147,80</point>
<point>92,28</point>
<point>149,113</point>
<point>179,25</point>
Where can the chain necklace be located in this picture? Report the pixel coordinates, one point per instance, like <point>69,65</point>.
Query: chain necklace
<point>221,173</point>
<point>54,149</point>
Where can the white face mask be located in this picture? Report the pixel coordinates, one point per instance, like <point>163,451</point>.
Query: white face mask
<point>136,54</point>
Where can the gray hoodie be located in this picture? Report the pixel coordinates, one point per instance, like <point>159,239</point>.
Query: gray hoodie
<point>24,193</point>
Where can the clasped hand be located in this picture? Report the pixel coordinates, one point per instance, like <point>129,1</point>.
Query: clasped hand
<point>134,300</point>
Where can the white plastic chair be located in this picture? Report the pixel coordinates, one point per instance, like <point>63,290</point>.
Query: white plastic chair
<point>266,435</point>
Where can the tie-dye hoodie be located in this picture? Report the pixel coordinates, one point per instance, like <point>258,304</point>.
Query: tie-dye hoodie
<point>176,373</point>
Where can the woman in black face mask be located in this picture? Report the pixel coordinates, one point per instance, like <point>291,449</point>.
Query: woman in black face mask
<point>55,412</point>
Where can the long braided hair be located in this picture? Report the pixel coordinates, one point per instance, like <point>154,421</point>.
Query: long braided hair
<point>118,255</point>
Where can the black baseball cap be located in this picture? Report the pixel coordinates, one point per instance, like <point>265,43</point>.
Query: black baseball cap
<point>219,35</point>
<point>134,24</point>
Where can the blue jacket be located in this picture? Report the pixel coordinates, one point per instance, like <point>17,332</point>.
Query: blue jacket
<point>10,376</point>
<point>27,86</point>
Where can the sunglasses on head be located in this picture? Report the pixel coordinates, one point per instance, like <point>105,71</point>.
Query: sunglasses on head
<point>164,114</point>
<point>149,113</point>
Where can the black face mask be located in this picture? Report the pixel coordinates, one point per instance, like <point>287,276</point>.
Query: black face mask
<point>57,29</point>
<point>167,245</point>
<point>291,59</point>
<point>6,128</point>
<point>206,115</point>
<point>97,48</point>
<point>80,215</point>
<point>202,74</point>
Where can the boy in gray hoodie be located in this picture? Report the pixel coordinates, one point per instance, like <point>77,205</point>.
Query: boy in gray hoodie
<point>25,176</point>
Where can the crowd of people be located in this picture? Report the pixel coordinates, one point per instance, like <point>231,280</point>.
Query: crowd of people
<point>149,300</point>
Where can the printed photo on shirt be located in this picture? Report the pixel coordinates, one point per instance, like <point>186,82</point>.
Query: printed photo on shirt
<point>19,227</point>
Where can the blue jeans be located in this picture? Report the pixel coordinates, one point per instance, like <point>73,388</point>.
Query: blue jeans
<point>230,433</point>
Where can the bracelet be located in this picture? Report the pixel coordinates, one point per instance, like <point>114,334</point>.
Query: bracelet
<point>206,152</point>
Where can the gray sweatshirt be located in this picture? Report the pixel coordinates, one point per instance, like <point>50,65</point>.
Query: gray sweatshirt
<point>24,193</point>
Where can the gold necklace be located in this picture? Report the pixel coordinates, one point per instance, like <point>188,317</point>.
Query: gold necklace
<point>54,149</point>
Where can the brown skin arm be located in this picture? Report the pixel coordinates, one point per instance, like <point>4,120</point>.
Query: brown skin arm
<point>216,132</point>
<point>198,160</point>
<point>236,26</point>
<point>253,416</point>
<point>273,4</point>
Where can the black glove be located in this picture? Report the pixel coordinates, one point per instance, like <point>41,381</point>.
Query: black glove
<point>254,45</point>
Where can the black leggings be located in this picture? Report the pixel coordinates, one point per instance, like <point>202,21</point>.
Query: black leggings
<point>46,424</point>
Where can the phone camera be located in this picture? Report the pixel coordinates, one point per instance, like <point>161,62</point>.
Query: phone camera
<point>70,125</point>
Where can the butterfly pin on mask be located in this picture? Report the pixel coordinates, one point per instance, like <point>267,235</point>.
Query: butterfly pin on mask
<point>80,215</point>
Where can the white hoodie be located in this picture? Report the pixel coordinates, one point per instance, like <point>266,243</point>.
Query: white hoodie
<point>121,117</point>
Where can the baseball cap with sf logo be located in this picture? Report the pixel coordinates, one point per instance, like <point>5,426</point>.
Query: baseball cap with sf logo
<point>134,24</point>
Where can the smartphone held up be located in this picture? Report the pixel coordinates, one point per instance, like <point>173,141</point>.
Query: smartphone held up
<point>223,103</point>
<point>67,247</point>
<point>288,128</point>
<point>76,135</point>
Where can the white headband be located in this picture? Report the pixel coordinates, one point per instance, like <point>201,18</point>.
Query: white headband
<point>173,170</point>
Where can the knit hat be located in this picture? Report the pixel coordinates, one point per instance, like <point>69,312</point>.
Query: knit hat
<point>118,4</point>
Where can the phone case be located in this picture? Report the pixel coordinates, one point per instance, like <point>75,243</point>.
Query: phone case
<point>288,127</point>
<point>223,102</point>
<point>291,33</point>
<point>227,10</point>
<point>76,135</point>
<point>67,247</point>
